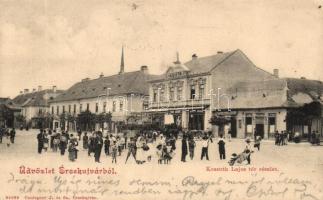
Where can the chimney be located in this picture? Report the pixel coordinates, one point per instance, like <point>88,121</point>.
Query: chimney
<point>85,79</point>
<point>194,57</point>
<point>101,75</point>
<point>177,62</point>
<point>34,89</point>
<point>219,52</point>
<point>144,69</point>
<point>40,88</point>
<point>54,88</point>
<point>26,91</point>
<point>276,73</point>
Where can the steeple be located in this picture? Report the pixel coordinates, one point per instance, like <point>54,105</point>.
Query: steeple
<point>177,59</point>
<point>122,62</point>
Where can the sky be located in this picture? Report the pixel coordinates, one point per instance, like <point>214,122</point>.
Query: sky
<point>44,42</point>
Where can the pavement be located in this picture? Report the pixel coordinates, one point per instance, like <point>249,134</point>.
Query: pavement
<point>302,161</point>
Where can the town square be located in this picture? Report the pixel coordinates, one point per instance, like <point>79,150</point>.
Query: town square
<point>161,100</point>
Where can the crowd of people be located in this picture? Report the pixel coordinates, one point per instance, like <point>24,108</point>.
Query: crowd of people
<point>142,148</point>
<point>145,146</point>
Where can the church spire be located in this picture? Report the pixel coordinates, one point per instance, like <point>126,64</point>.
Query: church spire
<point>122,62</point>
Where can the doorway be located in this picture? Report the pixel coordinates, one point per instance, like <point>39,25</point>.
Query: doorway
<point>233,127</point>
<point>260,130</point>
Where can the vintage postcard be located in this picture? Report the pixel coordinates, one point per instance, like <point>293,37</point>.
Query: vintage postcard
<point>162,99</point>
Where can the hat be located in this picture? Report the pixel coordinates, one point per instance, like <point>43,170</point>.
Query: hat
<point>247,140</point>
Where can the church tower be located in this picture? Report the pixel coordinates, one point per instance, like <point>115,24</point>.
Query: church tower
<point>122,62</point>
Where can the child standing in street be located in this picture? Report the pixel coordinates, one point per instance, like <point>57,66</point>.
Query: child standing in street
<point>205,146</point>
<point>257,142</point>
<point>114,149</point>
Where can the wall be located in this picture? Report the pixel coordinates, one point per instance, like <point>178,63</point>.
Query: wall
<point>236,68</point>
<point>33,111</point>
<point>280,120</point>
<point>130,104</point>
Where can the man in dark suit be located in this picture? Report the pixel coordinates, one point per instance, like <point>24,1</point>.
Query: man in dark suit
<point>184,149</point>
<point>40,139</point>
<point>98,143</point>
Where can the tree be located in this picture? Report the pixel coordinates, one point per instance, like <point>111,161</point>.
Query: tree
<point>303,115</point>
<point>70,119</point>
<point>86,120</point>
<point>220,121</point>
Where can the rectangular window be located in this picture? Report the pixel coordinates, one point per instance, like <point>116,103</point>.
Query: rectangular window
<point>69,108</point>
<point>40,111</point>
<point>192,92</point>
<point>171,94</point>
<point>96,107</point>
<point>248,123</point>
<point>74,109</point>
<point>63,109</point>
<point>87,107</point>
<point>155,96</point>
<point>121,105</point>
<point>179,93</point>
<point>52,110</point>
<point>248,120</point>
<point>162,95</point>
<point>114,105</point>
<point>271,124</point>
<point>57,110</point>
<point>144,106</point>
<point>104,107</point>
<point>201,92</point>
<point>81,108</point>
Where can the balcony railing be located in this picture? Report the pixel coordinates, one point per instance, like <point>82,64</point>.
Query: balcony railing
<point>181,103</point>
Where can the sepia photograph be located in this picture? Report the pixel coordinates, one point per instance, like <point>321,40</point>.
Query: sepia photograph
<point>167,100</point>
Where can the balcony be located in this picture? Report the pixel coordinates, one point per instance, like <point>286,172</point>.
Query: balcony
<point>180,104</point>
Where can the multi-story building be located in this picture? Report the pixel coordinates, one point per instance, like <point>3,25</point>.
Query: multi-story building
<point>230,85</point>
<point>34,104</point>
<point>123,95</point>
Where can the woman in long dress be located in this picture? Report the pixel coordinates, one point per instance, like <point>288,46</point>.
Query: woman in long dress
<point>140,152</point>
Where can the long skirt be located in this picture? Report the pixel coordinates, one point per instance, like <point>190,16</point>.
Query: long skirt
<point>140,156</point>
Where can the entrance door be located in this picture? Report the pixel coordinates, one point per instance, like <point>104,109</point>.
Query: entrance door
<point>196,121</point>
<point>233,127</point>
<point>260,130</point>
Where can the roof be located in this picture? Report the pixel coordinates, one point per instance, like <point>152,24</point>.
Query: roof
<point>125,83</point>
<point>4,100</point>
<point>206,64</point>
<point>8,103</point>
<point>256,94</point>
<point>35,98</point>
<point>276,93</point>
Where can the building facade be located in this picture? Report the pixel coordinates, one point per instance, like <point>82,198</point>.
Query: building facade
<point>122,95</point>
<point>229,85</point>
<point>34,105</point>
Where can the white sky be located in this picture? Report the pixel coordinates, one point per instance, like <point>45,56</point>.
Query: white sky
<point>60,42</point>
